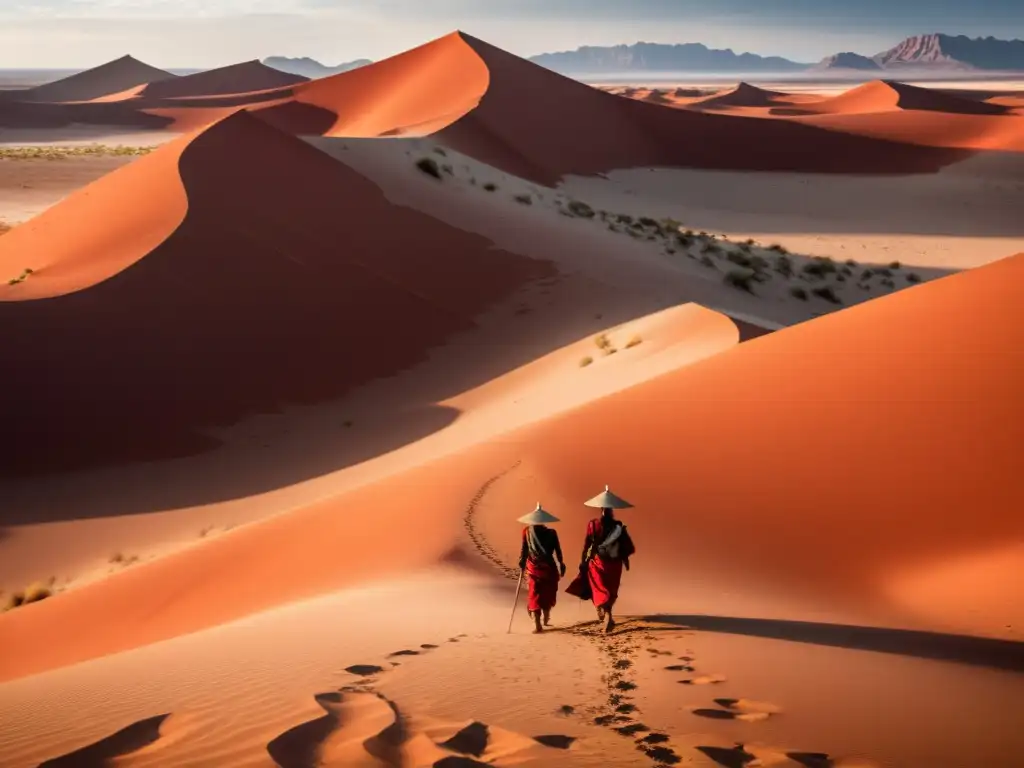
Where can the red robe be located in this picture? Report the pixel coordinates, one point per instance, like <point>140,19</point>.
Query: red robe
<point>599,579</point>
<point>542,582</point>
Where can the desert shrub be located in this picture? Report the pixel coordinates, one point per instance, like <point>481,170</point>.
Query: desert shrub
<point>851,263</point>
<point>688,232</point>
<point>820,266</point>
<point>867,274</point>
<point>490,186</point>
<point>784,265</point>
<point>671,224</point>
<point>742,279</point>
<point>707,261</point>
<point>827,292</point>
<point>633,342</point>
<point>624,218</point>
<point>36,592</point>
<point>650,223</point>
<point>740,258</point>
<point>524,199</point>
<point>894,265</point>
<point>750,241</point>
<point>798,293</point>
<point>777,248</point>
<point>429,166</point>
<point>684,241</point>
<point>585,361</point>
<point>578,208</point>
<point>602,341</point>
<point>913,277</point>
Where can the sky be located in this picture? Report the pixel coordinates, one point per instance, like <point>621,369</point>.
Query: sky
<point>208,33</point>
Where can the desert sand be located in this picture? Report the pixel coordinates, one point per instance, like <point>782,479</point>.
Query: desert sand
<point>282,371</point>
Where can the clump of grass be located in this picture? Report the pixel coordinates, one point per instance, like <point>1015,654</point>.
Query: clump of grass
<point>585,361</point>
<point>777,248</point>
<point>20,278</point>
<point>798,293</point>
<point>820,266</point>
<point>524,199</point>
<point>894,265</point>
<point>429,166</point>
<point>602,341</point>
<point>579,208</point>
<point>490,186</point>
<point>784,265</point>
<point>634,342</point>
<point>739,258</point>
<point>913,277</point>
<point>742,279</point>
<point>828,293</point>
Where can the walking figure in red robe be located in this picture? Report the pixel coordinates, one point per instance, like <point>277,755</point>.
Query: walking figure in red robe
<point>537,558</point>
<point>606,550</point>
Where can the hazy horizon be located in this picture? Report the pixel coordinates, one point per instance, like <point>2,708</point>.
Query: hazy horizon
<point>191,34</point>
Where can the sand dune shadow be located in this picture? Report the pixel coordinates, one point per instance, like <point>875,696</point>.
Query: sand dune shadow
<point>104,752</point>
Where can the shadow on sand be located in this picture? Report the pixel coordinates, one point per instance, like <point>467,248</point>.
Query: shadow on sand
<point>963,649</point>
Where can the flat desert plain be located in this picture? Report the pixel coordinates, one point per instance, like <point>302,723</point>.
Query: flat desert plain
<point>285,359</point>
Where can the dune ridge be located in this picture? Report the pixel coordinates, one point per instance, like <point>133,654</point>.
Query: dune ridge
<point>113,77</point>
<point>247,77</point>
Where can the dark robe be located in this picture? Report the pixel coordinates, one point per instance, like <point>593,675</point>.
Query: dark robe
<point>599,576</point>
<point>541,570</point>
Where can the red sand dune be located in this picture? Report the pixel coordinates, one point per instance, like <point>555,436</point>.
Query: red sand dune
<point>104,80</point>
<point>970,132</point>
<point>886,95</point>
<point>746,95</point>
<point>290,279</point>
<point>819,462</point>
<point>247,77</point>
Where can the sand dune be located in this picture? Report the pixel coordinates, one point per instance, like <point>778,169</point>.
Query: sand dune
<point>102,81</point>
<point>914,364</point>
<point>340,299</point>
<point>746,95</point>
<point>886,95</point>
<point>247,77</point>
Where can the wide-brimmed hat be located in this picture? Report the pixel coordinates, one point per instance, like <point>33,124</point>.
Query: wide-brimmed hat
<point>539,516</point>
<point>607,500</point>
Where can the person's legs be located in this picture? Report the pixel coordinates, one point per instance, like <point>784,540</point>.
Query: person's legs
<point>547,616</point>
<point>609,624</point>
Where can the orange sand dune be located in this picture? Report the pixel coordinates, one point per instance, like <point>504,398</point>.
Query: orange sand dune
<point>973,132</point>
<point>887,95</point>
<point>247,77</point>
<point>746,95</point>
<point>110,78</point>
<point>290,279</point>
<point>842,464</point>
<point>565,127</point>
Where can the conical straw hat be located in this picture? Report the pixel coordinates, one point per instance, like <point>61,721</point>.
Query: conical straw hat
<point>539,516</point>
<point>607,499</point>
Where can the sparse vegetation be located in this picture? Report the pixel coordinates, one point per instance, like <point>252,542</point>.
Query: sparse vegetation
<point>581,209</point>
<point>62,153</point>
<point>913,277</point>
<point>634,341</point>
<point>894,265</point>
<point>820,266</point>
<point>851,263</point>
<point>429,166</point>
<point>867,274</point>
<point>741,278</point>
<point>784,265</point>
<point>602,341</point>
<point>36,592</point>
<point>827,292</point>
<point>585,361</point>
<point>524,199</point>
<point>777,248</point>
<point>20,278</point>
<point>798,293</point>
<point>624,218</point>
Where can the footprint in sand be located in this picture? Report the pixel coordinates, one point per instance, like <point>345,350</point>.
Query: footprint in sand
<point>739,709</point>
<point>704,680</point>
<point>679,668</point>
<point>364,670</point>
<point>403,653</point>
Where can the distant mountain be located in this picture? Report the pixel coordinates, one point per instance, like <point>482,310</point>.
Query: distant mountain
<point>311,68</point>
<point>937,51</point>
<point>657,57</point>
<point>848,61</point>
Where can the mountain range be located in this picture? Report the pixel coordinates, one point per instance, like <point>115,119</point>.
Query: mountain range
<point>311,68</point>
<point>922,52</point>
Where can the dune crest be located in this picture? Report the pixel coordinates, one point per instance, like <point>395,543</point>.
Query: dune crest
<point>247,77</point>
<point>110,78</point>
